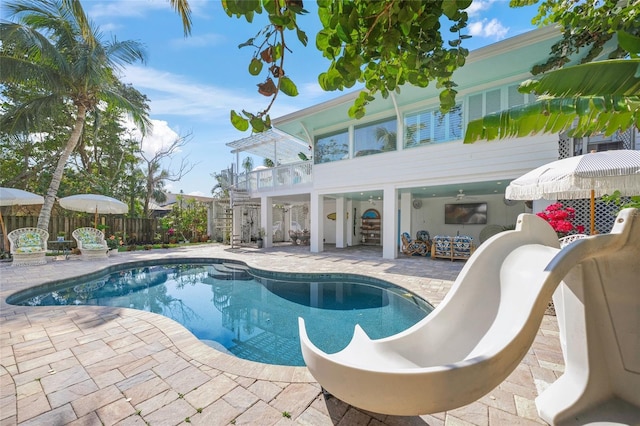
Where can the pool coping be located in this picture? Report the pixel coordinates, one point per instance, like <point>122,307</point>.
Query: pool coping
<point>179,335</point>
<point>300,395</point>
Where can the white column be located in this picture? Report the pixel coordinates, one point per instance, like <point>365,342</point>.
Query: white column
<point>405,213</point>
<point>340,222</point>
<point>389,223</point>
<point>317,224</point>
<point>350,222</point>
<point>266,220</point>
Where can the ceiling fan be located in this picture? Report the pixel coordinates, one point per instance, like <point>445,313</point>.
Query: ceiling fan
<point>462,196</point>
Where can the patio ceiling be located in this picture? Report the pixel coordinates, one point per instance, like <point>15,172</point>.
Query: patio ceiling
<point>272,144</point>
<point>470,189</point>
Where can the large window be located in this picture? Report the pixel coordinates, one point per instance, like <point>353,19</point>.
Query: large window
<point>375,138</point>
<point>332,147</point>
<point>431,126</point>
<point>492,101</point>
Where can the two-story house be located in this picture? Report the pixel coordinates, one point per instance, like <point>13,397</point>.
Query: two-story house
<point>403,167</point>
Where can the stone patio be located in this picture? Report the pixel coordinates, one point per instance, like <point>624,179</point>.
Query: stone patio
<point>87,365</point>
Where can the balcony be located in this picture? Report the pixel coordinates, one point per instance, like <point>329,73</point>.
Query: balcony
<point>273,179</point>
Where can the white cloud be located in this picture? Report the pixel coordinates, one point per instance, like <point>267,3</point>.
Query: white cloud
<point>488,29</point>
<point>478,6</point>
<point>173,94</point>
<point>120,8</point>
<point>161,136</point>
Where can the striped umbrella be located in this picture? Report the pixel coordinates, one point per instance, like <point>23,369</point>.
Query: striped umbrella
<point>584,176</point>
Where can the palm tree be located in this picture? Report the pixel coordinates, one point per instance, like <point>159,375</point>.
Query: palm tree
<point>54,44</point>
<point>387,138</point>
<point>589,98</point>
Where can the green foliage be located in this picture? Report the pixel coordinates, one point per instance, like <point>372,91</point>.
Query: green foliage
<point>269,46</point>
<point>187,219</point>
<point>607,104</point>
<point>382,45</point>
<point>247,164</point>
<point>594,97</point>
<point>53,51</point>
<point>586,27</point>
<point>388,44</point>
<point>621,202</point>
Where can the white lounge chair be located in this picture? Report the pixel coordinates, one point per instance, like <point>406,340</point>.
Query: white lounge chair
<point>477,336</point>
<point>28,246</point>
<point>91,243</point>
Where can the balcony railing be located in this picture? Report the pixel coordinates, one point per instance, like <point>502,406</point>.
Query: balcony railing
<point>275,178</point>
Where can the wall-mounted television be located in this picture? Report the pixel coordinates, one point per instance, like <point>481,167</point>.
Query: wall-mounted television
<point>465,214</point>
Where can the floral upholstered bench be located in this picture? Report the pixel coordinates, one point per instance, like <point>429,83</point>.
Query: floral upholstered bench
<point>458,247</point>
<point>28,246</point>
<point>91,243</point>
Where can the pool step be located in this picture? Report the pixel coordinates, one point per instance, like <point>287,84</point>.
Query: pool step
<point>235,266</point>
<point>224,272</point>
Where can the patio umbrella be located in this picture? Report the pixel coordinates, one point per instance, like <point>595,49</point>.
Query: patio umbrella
<point>93,203</point>
<point>584,176</point>
<point>16,197</point>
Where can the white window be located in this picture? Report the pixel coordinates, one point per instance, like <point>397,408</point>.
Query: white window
<point>431,126</point>
<point>375,138</point>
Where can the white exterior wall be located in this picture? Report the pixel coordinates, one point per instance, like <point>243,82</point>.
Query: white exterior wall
<point>438,164</point>
<point>430,217</point>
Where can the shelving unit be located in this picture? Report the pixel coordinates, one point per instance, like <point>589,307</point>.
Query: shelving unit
<point>370,228</point>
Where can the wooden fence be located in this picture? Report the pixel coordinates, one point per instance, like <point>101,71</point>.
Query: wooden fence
<point>140,231</point>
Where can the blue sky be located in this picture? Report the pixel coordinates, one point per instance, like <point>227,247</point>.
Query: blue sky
<point>194,82</point>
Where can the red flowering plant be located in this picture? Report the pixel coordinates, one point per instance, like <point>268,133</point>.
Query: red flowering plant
<point>114,242</point>
<point>561,219</point>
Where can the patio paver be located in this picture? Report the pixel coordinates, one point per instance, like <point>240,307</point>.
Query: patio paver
<point>92,365</point>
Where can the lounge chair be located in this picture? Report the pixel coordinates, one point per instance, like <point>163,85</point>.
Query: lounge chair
<point>91,243</point>
<point>413,248</point>
<point>28,246</point>
<point>487,322</point>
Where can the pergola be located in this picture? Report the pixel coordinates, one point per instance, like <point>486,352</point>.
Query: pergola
<point>272,144</point>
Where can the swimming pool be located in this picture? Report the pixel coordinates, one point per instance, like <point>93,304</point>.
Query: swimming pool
<point>246,312</point>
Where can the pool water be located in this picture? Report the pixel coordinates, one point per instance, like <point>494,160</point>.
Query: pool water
<point>250,314</point>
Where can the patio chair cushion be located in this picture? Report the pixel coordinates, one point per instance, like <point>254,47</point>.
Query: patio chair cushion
<point>87,237</point>
<point>28,242</point>
<point>423,236</point>
<point>462,246</point>
<point>441,246</point>
<point>93,246</point>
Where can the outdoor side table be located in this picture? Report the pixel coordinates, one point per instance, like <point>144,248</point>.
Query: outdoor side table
<point>61,246</point>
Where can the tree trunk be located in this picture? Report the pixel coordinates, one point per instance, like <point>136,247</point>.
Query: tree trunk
<point>52,192</point>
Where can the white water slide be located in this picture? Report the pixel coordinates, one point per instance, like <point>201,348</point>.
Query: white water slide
<point>487,322</point>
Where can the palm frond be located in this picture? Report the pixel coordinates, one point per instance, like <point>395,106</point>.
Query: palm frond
<point>27,116</point>
<point>584,116</point>
<point>615,77</point>
<point>587,99</point>
<point>184,10</point>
